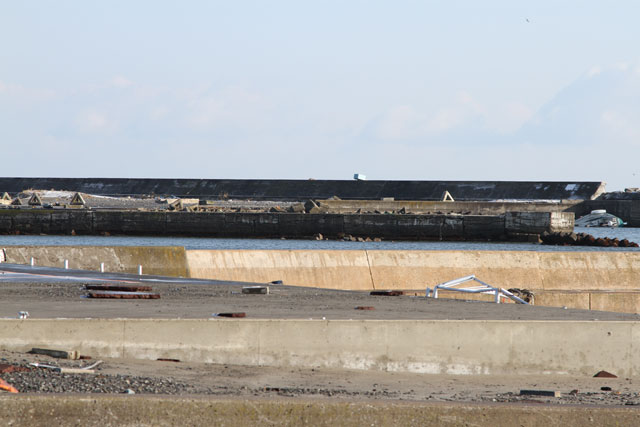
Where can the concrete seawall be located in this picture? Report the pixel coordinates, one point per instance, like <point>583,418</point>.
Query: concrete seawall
<point>418,269</point>
<point>421,346</point>
<point>292,225</point>
<point>156,260</point>
<point>587,280</point>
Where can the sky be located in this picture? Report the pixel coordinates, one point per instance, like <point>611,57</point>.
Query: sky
<point>419,90</point>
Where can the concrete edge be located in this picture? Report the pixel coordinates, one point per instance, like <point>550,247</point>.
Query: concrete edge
<point>419,346</point>
<point>95,410</point>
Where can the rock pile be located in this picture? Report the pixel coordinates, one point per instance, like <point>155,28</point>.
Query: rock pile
<point>583,239</point>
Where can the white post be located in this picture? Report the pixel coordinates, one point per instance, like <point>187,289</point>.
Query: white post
<point>139,270</point>
<point>32,262</point>
<point>66,264</point>
<point>102,267</point>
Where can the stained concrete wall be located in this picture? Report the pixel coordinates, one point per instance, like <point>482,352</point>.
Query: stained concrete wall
<point>313,189</point>
<point>294,225</point>
<point>156,260</point>
<point>419,269</point>
<point>325,269</point>
<point>468,208</point>
<point>421,346</point>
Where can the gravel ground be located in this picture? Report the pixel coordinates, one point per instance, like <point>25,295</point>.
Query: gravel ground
<point>117,376</point>
<point>51,300</point>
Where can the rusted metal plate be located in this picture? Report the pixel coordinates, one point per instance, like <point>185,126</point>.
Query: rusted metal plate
<point>122,295</point>
<point>238,314</point>
<point>119,288</point>
<point>387,293</point>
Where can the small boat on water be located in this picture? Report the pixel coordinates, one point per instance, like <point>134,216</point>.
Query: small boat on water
<point>599,218</point>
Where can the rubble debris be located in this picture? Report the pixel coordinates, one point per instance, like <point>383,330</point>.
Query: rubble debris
<point>524,294</point>
<point>122,295</point>
<point>583,239</point>
<point>255,290</point>
<point>386,293</point>
<point>59,354</point>
<point>121,288</point>
<point>7,387</point>
<point>234,315</point>
<point>6,368</point>
<point>549,393</point>
<point>605,374</point>
<point>599,218</point>
<point>63,370</point>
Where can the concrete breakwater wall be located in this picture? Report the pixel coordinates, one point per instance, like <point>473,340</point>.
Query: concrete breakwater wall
<point>422,346</point>
<point>293,225</point>
<point>283,189</point>
<point>155,260</point>
<point>373,269</point>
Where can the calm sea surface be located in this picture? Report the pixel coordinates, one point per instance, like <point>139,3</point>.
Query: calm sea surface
<point>632,234</point>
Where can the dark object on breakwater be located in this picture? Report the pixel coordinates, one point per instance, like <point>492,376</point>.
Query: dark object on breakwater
<point>584,239</point>
<point>511,225</point>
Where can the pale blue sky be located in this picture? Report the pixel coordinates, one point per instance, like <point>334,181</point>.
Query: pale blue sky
<point>529,90</point>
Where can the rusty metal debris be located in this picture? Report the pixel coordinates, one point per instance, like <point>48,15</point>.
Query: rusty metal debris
<point>59,354</point>
<point>255,290</point>
<point>236,315</point>
<point>118,288</point>
<point>122,295</point>
<point>605,374</point>
<point>5,386</point>
<point>387,293</point>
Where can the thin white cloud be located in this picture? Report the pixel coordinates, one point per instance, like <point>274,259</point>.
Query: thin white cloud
<point>121,82</point>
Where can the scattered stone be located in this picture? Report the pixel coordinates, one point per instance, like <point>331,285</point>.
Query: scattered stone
<point>549,393</point>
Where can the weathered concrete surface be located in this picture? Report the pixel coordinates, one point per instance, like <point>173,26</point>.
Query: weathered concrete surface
<point>156,260</point>
<point>313,189</point>
<point>34,410</point>
<point>424,207</point>
<point>293,225</point>
<point>421,346</point>
<point>326,269</point>
<point>420,269</point>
